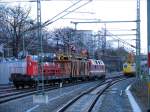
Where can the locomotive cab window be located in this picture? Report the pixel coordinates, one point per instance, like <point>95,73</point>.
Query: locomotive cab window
<point>99,62</point>
<point>125,65</point>
<point>96,62</point>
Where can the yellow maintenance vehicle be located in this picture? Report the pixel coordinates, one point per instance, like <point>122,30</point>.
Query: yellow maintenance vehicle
<point>129,67</point>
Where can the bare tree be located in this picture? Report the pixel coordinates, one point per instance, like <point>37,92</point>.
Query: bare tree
<point>15,31</point>
<point>17,22</point>
<point>63,39</point>
<point>3,29</point>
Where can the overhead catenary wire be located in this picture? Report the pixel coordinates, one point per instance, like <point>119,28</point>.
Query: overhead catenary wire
<point>110,34</point>
<point>115,37</point>
<point>127,30</point>
<point>15,1</point>
<point>50,22</point>
<point>62,12</point>
<point>18,1</point>
<point>123,21</point>
<point>83,12</point>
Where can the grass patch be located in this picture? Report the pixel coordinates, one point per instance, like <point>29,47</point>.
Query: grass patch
<point>140,91</point>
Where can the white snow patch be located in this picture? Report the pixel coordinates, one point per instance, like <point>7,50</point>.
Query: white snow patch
<point>134,105</point>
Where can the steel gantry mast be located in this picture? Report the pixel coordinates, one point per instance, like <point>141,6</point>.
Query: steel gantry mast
<point>138,43</point>
<point>40,47</point>
<point>40,97</point>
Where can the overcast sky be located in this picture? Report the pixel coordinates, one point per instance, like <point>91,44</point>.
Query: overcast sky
<point>110,10</point>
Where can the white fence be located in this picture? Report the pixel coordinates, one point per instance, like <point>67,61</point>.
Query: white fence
<point>6,68</point>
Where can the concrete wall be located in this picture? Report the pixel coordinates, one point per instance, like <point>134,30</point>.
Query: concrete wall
<point>6,68</point>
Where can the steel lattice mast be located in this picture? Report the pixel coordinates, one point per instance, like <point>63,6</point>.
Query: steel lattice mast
<point>148,39</point>
<point>138,44</point>
<point>39,35</point>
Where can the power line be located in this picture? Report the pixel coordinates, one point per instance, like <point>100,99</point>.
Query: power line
<point>50,21</point>
<point>83,12</point>
<point>62,12</point>
<point>121,30</point>
<point>17,1</point>
<point>14,1</point>
<point>122,40</point>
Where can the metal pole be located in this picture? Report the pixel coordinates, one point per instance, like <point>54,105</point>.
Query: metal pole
<point>40,97</point>
<point>138,44</point>
<point>23,47</point>
<point>148,38</point>
<point>75,24</point>
<point>104,40</point>
<point>40,41</point>
<point>84,22</point>
<point>105,36</point>
<point>118,44</point>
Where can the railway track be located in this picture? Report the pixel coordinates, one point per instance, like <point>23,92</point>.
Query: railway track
<point>11,89</point>
<point>7,90</point>
<point>13,95</point>
<point>89,97</point>
<point>6,86</point>
<point>10,94</point>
